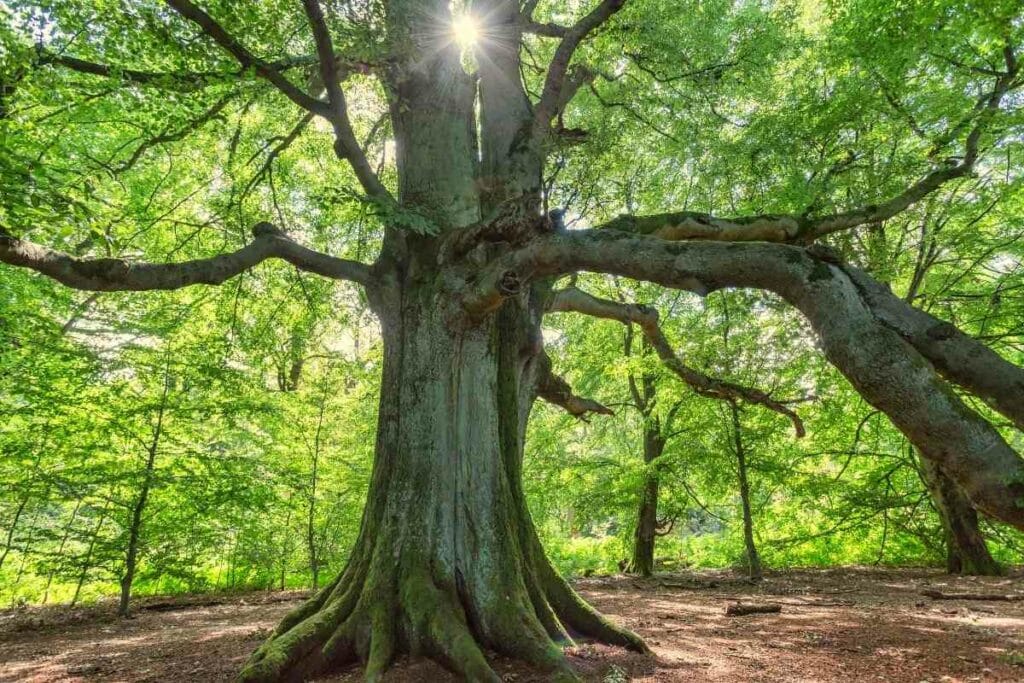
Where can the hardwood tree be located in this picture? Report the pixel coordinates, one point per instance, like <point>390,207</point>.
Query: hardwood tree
<point>448,563</point>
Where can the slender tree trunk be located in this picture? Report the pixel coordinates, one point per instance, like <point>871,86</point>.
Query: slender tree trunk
<point>647,515</point>
<point>286,548</point>
<point>311,545</point>
<point>9,542</point>
<point>26,547</point>
<point>12,530</point>
<point>966,549</point>
<point>86,562</point>
<point>60,550</point>
<point>134,534</point>
<point>753,558</point>
<point>139,508</point>
<point>644,396</point>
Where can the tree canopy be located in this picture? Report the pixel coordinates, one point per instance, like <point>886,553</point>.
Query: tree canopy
<point>763,261</point>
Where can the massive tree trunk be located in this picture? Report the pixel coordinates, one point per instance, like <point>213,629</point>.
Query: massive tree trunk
<point>447,562</point>
<point>966,550</point>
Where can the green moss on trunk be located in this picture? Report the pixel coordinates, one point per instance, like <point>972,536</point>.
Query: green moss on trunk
<point>448,564</point>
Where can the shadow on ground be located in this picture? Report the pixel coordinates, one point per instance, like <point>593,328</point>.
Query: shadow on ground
<point>850,624</point>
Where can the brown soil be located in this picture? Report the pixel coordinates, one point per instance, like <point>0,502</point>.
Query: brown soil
<point>850,624</point>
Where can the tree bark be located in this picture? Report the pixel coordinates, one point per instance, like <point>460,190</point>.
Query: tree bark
<point>642,562</point>
<point>447,562</point>
<point>966,550</point>
<point>139,507</point>
<point>753,557</point>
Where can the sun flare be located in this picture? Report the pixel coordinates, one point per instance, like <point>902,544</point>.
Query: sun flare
<point>466,30</point>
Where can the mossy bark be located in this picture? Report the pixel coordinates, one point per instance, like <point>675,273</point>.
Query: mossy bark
<point>966,549</point>
<point>646,533</point>
<point>448,564</point>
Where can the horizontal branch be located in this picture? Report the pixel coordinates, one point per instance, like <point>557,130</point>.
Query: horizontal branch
<point>556,391</point>
<point>890,373</point>
<point>546,29</point>
<point>188,80</point>
<point>646,317</point>
<point>801,228</point>
<point>113,274</point>
<point>692,225</point>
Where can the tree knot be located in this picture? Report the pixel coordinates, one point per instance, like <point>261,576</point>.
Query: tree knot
<point>509,284</point>
<point>941,332</point>
<point>265,229</point>
<point>825,253</point>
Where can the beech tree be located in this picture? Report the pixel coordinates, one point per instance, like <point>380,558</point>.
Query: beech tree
<point>471,250</point>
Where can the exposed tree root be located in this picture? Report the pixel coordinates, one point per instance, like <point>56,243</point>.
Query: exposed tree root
<point>448,564</point>
<point>373,616</point>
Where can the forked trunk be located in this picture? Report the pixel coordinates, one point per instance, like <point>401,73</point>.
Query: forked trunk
<point>448,564</point>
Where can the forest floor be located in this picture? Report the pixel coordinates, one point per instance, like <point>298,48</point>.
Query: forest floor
<point>848,624</point>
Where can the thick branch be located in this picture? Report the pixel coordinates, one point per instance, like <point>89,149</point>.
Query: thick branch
<point>546,29</point>
<point>959,357</point>
<point>556,391</point>
<point>551,97</point>
<point>575,300</point>
<point>111,274</point>
<point>248,60</point>
<point>885,369</point>
<point>691,225</point>
<point>345,144</point>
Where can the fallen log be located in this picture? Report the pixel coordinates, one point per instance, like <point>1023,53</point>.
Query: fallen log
<point>178,606</point>
<point>819,603</point>
<point>740,609</point>
<point>1000,597</point>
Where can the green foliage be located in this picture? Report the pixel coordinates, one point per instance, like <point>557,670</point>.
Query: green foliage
<point>710,105</point>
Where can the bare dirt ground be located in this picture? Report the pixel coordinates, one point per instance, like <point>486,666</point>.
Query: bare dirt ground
<point>850,624</point>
